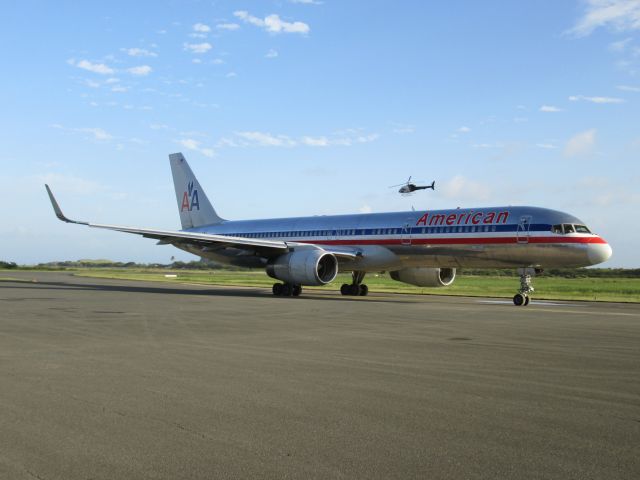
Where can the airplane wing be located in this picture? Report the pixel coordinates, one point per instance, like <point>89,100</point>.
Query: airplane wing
<point>267,248</point>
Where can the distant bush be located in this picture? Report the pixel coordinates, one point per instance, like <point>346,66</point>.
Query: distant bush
<point>8,265</point>
<point>558,272</point>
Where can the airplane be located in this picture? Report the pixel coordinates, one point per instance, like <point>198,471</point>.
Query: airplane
<point>407,188</point>
<point>422,248</point>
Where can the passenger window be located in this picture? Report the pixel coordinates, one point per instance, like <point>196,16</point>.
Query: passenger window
<point>568,228</point>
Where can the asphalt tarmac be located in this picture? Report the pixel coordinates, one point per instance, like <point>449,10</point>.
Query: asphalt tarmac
<point>105,379</point>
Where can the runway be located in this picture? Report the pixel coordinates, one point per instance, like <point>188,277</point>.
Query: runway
<point>109,379</point>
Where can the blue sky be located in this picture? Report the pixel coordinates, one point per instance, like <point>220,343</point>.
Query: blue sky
<point>287,108</point>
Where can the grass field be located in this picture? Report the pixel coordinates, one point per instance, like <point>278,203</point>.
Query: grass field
<point>552,288</point>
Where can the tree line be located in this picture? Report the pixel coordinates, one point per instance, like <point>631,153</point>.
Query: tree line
<point>210,265</point>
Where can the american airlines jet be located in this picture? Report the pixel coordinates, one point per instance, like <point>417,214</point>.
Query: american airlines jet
<point>421,248</point>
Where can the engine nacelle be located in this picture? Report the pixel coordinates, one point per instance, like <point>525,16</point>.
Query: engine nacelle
<point>425,277</point>
<point>304,267</point>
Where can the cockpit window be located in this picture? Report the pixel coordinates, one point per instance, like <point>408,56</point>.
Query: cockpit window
<point>557,229</point>
<point>582,229</point>
<point>568,228</point>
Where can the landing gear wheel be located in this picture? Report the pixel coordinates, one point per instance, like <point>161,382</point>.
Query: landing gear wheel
<point>287,290</point>
<point>297,290</point>
<point>277,288</point>
<point>345,289</point>
<point>364,290</point>
<point>527,300</point>
<point>354,290</point>
<point>520,299</point>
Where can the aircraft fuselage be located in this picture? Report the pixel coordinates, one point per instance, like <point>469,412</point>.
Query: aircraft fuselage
<point>482,237</point>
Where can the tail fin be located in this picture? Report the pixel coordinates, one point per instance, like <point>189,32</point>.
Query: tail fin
<point>193,205</point>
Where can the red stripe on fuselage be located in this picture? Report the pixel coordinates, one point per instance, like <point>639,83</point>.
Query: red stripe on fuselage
<point>461,241</point>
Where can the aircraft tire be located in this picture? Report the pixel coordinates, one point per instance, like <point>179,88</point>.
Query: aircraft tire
<point>364,290</point>
<point>344,289</point>
<point>297,290</point>
<point>354,290</point>
<point>277,288</point>
<point>527,300</point>
<point>519,299</point>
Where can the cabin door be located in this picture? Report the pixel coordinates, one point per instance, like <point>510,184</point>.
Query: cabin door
<point>522,233</point>
<point>405,234</point>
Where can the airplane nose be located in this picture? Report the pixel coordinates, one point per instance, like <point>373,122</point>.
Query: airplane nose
<point>599,252</point>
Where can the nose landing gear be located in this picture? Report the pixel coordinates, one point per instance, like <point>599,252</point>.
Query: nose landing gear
<point>357,288</point>
<point>522,298</point>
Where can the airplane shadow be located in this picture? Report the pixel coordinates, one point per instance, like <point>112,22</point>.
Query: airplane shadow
<point>215,291</point>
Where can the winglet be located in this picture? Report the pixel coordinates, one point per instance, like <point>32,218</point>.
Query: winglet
<point>57,210</point>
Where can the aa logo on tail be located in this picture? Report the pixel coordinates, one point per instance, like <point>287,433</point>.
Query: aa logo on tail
<point>190,199</point>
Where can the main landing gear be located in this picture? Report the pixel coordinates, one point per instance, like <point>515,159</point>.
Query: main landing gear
<point>287,289</point>
<point>357,288</point>
<point>522,298</point>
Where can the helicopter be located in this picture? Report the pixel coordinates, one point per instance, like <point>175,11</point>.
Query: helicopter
<point>408,188</point>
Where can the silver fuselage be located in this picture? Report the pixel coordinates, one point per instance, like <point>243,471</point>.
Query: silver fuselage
<point>497,237</point>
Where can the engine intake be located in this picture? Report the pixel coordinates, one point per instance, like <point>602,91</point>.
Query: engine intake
<point>304,267</point>
<point>425,277</point>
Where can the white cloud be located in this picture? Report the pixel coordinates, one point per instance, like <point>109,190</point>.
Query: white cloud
<point>628,88</point>
<point>195,145</point>
<point>227,26</point>
<point>263,139</point>
<point>91,83</point>
<point>464,129</point>
<point>100,68</point>
<point>550,108</point>
<point>365,209</point>
<point>196,60</point>
<point>271,54</point>
<point>119,88</point>
<point>112,80</point>
<point>266,139</point>
<point>139,52</point>
<point>98,133</point>
<point>316,141</point>
<point>577,98</point>
<point>461,188</point>
<point>273,23</point>
<point>403,129</point>
<point>307,2</point>
<point>548,146</point>
<point>201,28</point>
<point>581,144</point>
<point>198,47</point>
<point>231,75</point>
<point>620,45</point>
<point>140,71</point>
<point>158,126</point>
<point>618,15</point>
<point>367,138</point>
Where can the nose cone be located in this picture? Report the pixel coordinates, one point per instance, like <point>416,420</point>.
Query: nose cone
<point>599,252</point>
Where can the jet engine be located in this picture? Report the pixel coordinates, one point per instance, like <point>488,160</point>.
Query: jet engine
<point>425,277</point>
<point>304,267</point>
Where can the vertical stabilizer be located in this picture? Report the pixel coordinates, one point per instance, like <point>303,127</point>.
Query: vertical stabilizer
<point>193,205</point>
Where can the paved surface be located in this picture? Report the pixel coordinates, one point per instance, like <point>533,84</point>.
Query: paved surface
<point>110,379</point>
